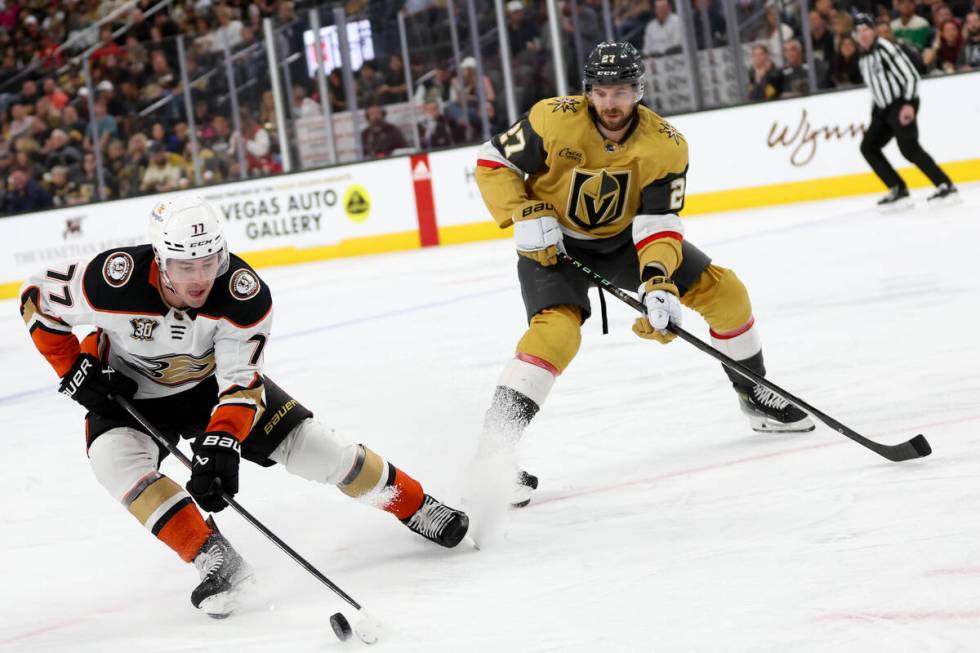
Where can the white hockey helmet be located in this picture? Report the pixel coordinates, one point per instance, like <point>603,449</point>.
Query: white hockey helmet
<point>188,240</point>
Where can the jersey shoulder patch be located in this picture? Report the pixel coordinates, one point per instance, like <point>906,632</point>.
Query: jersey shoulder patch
<point>239,295</point>
<point>117,280</point>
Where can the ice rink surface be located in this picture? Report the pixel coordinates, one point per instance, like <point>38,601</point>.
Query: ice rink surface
<point>662,522</point>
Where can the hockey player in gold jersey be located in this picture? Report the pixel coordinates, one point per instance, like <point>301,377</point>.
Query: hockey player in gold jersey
<point>602,177</point>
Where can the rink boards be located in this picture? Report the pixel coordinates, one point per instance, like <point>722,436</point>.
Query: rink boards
<point>757,155</point>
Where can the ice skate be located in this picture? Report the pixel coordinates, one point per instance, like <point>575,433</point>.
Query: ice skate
<point>945,195</point>
<point>437,522</point>
<point>224,574</point>
<point>526,484</point>
<point>770,413</point>
<point>896,200</point>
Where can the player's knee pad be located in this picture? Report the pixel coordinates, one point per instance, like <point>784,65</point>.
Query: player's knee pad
<point>120,457</point>
<point>316,453</point>
<point>554,336</point>
<point>721,299</point>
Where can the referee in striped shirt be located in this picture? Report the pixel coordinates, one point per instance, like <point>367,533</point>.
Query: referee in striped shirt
<point>894,84</point>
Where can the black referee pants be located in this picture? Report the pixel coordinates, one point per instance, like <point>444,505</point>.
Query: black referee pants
<point>884,125</point>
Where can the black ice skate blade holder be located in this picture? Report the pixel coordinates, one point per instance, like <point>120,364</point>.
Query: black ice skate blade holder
<point>917,447</point>
<point>247,516</point>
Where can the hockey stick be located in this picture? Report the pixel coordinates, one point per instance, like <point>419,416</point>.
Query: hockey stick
<point>366,628</point>
<point>917,447</point>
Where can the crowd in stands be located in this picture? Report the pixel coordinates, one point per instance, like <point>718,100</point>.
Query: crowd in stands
<point>135,96</point>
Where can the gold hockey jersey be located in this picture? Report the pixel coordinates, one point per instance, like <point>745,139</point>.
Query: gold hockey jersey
<point>598,187</point>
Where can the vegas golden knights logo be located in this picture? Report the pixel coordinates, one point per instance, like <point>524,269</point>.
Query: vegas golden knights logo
<point>597,197</point>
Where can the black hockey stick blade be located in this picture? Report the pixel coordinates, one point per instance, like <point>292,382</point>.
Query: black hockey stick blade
<point>917,447</point>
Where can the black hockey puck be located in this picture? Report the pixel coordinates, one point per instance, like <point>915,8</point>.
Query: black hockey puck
<point>341,627</point>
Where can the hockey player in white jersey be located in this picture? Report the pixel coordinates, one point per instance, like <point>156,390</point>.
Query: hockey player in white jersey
<point>181,326</point>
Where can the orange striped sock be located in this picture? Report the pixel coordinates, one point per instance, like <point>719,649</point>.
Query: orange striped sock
<point>408,495</point>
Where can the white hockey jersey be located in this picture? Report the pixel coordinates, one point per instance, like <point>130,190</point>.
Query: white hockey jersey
<point>164,349</point>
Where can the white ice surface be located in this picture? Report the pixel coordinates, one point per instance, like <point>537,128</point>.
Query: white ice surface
<point>662,523</point>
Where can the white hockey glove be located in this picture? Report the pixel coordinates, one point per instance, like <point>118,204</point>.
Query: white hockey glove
<point>536,232</point>
<point>659,295</point>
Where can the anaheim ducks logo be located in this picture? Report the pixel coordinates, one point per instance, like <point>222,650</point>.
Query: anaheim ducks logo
<point>244,284</point>
<point>597,197</point>
<point>117,269</point>
<point>174,369</point>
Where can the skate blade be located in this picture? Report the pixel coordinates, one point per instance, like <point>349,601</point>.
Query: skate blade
<point>225,604</point>
<point>901,206</point>
<point>951,200</point>
<point>771,426</point>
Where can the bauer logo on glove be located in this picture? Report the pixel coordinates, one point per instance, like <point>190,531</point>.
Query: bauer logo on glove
<point>536,232</point>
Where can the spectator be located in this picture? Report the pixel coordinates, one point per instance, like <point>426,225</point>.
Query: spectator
<point>909,26</point>
<point>21,122</point>
<point>380,137</point>
<point>56,97</point>
<point>434,129</point>
<point>267,107</point>
<point>822,38</point>
<point>134,165</point>
<point>25,194</point>
<point>221,142</point>
<point>775,32</point>
<point>765,81</point>
<point>709,25</point>
<point>368,83</point>
<point>134,52</point>
<point>949,43</point>
<point>522,34</point>
<point>970,54</point>
<point>258,146</point>
<point>58,150</point>
<point>302,105</point>
<point>844,71</point>
<point>796,73</point>
<point>107,126</point>
<point>161,175</point>
<point>229,29</point>
<point>29,92</point>
<point>631,17</point>
<point>49,54</point>
<point>825,8</point>
<point>336,92</point>
<point>24,157</point>
<point>884,29</point>
<point>393,88</point>
<point>160,71</point>
<point>437,87</point>
<point>663,34</point>
<point>107,47</point>
<point>463,106</point>
<point>59,187</point>
<point>105,91</point>
<point>115,162</point>
<point>85,181</point>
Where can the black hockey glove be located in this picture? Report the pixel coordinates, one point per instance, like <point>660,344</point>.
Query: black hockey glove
<point>214,469</point>
<point>93,386</point>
